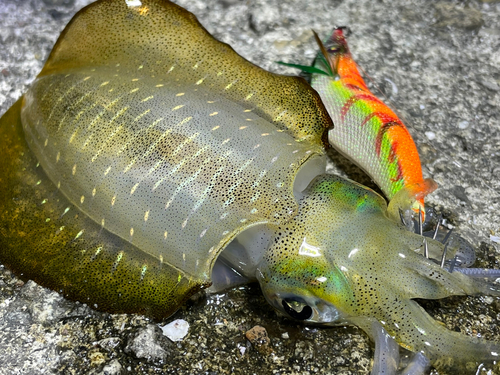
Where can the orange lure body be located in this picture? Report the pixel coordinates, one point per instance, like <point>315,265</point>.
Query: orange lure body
<point>366,130</point>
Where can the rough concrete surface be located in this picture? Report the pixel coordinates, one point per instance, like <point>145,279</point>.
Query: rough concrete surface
<point>438,62</point>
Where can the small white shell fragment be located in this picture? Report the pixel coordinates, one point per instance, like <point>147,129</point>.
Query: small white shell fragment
<point>430,135</point>
<point>495,238</point>
<point>176,330</point>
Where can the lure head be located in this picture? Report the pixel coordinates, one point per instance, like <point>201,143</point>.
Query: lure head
<point>337,43</point>
<point>335,59</point>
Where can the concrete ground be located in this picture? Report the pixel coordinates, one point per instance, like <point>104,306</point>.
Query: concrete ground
<point>438,62</point>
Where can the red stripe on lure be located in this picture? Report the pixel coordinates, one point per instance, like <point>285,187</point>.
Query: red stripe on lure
<point>366,130</point>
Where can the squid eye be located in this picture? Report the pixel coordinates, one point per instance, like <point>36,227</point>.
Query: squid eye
<point>297,309</point>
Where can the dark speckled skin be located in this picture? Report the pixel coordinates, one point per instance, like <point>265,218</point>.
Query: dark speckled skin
<point>75,230</point>
<point>43,245</point>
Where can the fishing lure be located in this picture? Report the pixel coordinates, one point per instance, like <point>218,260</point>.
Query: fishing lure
<point>366,130</point>
<point>148,161</point>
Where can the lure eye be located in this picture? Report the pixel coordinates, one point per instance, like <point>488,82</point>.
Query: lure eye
<point>297,309</point>
<point>334,49</point>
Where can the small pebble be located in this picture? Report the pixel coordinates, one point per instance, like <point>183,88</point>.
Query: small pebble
<point>492,85</point>
<point>488,300</point>
<point>112,368</point>
<point>259,339</point>
<point>144,344</point>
